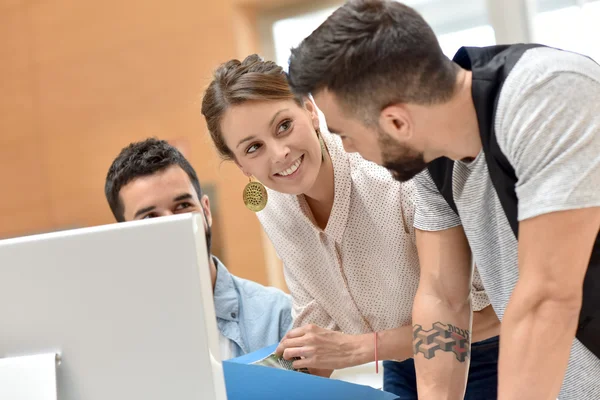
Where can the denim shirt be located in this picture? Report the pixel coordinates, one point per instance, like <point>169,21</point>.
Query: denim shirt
<point>250,315</point>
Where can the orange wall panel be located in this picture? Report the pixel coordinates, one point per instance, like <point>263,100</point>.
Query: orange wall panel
<point>81,80</point>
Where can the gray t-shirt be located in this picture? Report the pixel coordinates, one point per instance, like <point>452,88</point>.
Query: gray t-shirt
<point>548,126</point>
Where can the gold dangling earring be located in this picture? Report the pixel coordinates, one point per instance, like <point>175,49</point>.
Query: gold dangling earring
<point>323,148</point>
<point>255,196</point>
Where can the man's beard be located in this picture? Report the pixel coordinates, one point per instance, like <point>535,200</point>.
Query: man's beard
<point>402,162</point>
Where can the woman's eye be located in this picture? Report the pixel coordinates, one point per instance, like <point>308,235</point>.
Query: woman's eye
<point>252,148</point>
<point>151,215</point>
<point>285,126</point>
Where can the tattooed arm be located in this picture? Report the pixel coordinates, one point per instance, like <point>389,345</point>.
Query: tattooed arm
<point>442,314</point>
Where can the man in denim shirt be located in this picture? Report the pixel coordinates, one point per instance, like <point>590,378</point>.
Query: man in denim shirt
<point>151,179</point>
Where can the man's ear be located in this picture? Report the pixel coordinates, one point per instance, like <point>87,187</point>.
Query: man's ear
<point>205,203</point>
<point>395,120</point>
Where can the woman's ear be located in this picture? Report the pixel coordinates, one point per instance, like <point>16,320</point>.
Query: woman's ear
<point>312,109</point>
<point>248,174</point>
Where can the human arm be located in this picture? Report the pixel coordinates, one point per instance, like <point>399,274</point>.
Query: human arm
<point>330,349</point>
<point>444,257</point>
<point>551,136</point>
<point>541,318</point>
<point>442,314</point>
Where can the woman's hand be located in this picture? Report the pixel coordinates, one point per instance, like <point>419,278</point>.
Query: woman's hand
<point>320,348</point>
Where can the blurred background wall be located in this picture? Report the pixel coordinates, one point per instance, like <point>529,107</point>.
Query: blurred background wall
<point>79,80</point>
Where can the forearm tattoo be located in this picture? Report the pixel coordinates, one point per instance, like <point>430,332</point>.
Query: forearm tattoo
<point>443,337</point>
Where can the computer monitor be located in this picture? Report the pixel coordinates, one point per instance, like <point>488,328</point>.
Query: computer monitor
<point>128,306</point>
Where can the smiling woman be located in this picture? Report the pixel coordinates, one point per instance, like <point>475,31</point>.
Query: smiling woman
<point>256,121</point>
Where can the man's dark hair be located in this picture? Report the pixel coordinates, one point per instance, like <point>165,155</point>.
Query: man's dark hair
<point>142,159</point>
<point>371,54</point>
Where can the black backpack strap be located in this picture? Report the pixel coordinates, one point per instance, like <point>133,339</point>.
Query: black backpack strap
<point>440,170</point>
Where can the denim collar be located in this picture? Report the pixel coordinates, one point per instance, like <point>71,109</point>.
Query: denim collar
<point>225,296</point>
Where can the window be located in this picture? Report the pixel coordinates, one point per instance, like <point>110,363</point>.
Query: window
<point>478,36</point>
<point>456,23</point>
<point>568,24</point>
<point>289,32</point>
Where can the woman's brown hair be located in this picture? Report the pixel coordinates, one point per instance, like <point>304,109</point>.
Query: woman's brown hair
<point>236,82</point>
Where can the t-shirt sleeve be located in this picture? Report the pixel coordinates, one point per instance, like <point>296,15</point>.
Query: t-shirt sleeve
<point>432,211</point>
<point>551,137</point>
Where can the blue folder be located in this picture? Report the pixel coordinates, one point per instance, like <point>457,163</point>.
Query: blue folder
<point>255,382</point>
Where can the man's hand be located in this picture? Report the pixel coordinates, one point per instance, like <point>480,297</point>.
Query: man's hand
<point>320,348</point>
